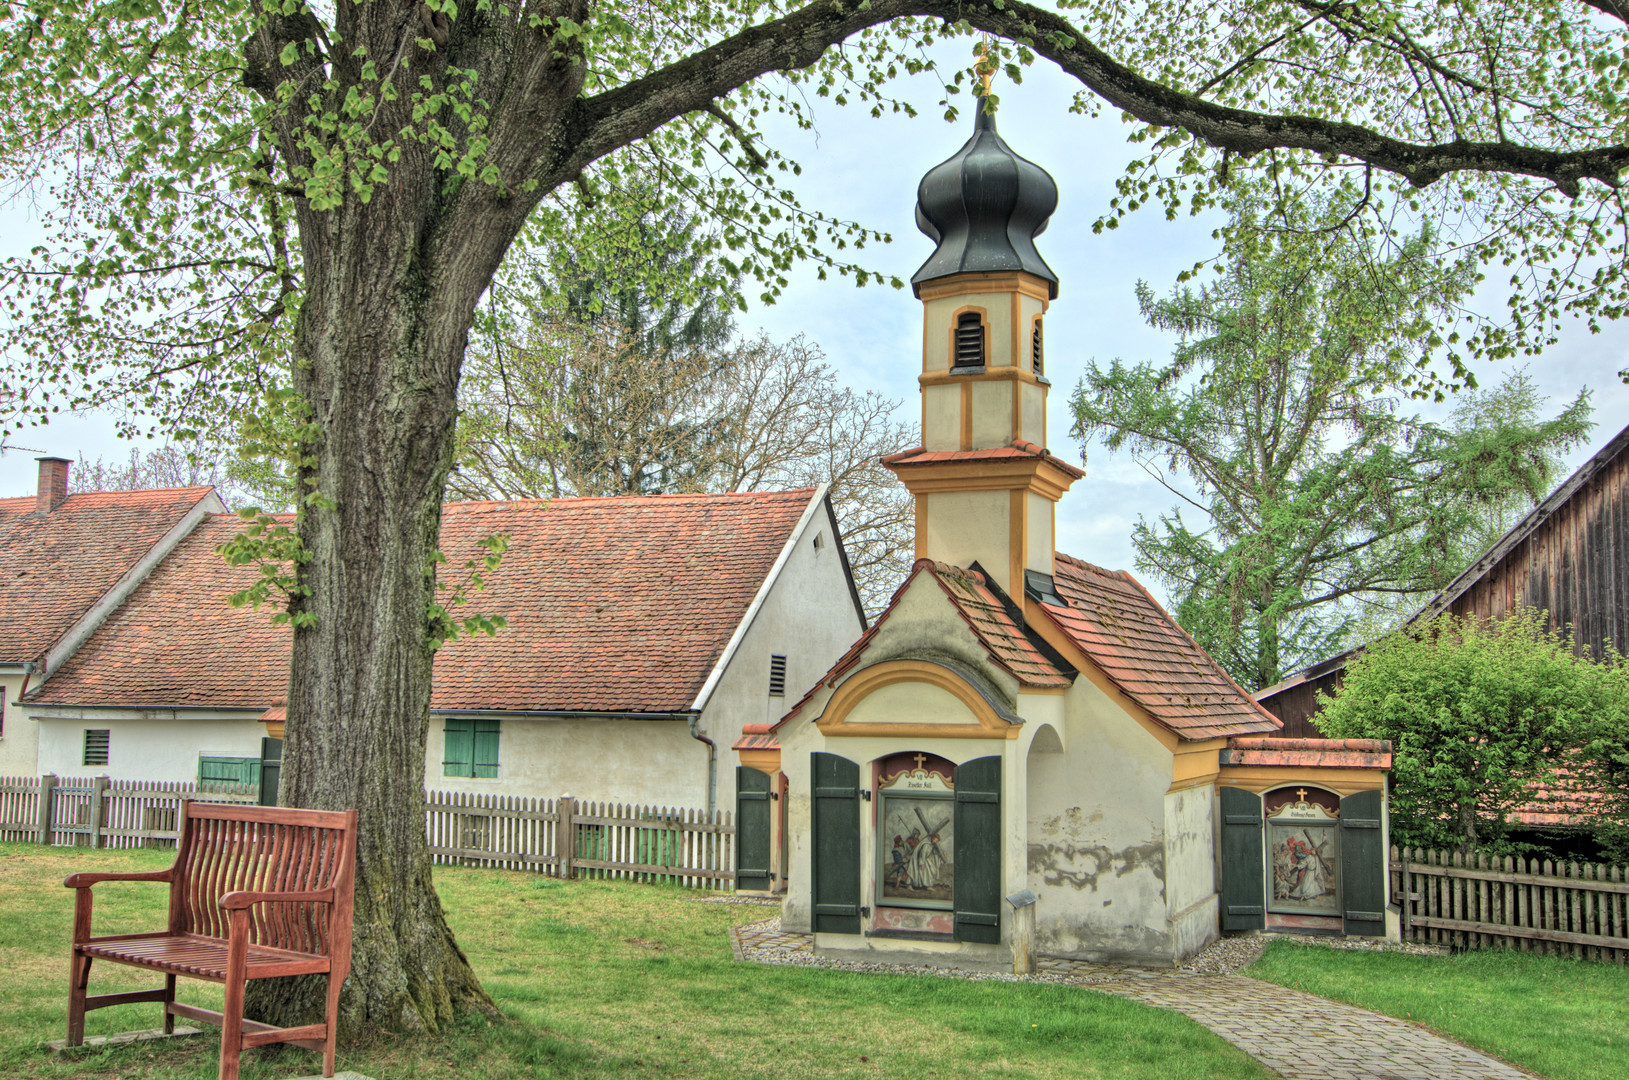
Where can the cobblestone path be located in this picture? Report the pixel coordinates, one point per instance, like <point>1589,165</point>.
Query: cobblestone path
<point>1300,1036</point>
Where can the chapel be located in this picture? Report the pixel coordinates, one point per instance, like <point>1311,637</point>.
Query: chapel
<point>1024,755</point>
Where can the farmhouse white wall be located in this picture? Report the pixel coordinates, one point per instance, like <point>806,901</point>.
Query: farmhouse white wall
<point>165,746</point>
<point>648,762</point>
<point>809,618</point>
<point>19,737</point>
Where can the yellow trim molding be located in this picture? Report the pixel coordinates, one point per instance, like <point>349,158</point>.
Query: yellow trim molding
<point>1002,474</point>
<point>998,281</point>
<point>999,374</point>
<point>1259,778</point>
<point>833,722</point>
<point>768,761</point>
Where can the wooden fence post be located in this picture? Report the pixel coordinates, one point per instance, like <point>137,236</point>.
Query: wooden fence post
<point>97,809</point>
<point>48,784</point>
<point>1406,900</point>
<point>565,837</point>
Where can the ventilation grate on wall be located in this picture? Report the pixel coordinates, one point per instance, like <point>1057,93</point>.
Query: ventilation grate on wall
<point>969,340</point>
<point>777,676</point>
<point>96,747</point>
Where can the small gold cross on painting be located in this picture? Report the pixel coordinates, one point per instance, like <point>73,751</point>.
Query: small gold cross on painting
<point>920,758</point>
<point>1301,793</point>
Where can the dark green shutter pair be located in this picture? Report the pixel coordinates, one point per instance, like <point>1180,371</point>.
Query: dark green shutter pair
<point>976,855</point>
<point>1244,870</point>
<point>470,748</point>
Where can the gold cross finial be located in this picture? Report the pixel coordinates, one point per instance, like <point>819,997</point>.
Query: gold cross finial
<point>920,758</point>
<point>1301,793</point>
<point>985,66</point>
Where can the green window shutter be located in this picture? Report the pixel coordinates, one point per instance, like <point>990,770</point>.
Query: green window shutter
<point>271,769</point>
<point>977,852</point>
<point>836,844</point>
<point>1363,865</point>
<point>752,828</point>
<point>217,774</point>
<point>485,738</point>
<point>1244,867</point>
<point>458,748</point>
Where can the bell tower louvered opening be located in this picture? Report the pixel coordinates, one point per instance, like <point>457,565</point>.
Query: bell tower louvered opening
<point>777,676</point>
<point>1035,349</point>
<point>969,340</point>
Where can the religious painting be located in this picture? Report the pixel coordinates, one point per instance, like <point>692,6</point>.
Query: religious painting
<point>915,822</point>
<point>1303,839</point>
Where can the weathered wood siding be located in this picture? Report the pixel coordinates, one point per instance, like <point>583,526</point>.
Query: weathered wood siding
<point>1575,565</point>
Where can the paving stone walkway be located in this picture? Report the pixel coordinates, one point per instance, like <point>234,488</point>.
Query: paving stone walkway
<point>1298,1035</point>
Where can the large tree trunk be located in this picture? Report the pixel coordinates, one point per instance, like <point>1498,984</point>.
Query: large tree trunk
<point>390,292</point>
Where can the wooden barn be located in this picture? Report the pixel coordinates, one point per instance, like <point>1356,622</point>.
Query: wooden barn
<point>1570,556</point>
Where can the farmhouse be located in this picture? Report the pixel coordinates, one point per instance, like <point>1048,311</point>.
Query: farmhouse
<point>1021,731</point>
<point>66,562</point>
<point>642,634</point>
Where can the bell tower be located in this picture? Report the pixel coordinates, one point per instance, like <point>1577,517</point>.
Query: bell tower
<point>984,484</point>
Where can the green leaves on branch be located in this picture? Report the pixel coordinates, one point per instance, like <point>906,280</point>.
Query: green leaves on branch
<point>1276,420</point>
<point>443,625</point>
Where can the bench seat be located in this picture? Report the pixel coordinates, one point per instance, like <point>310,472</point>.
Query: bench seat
<point>199,957</point>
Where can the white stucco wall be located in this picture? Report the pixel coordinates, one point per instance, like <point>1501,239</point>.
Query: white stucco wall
<point>808,617</point>
<point>1097,837</point>
<point>19,737</point>
<point>645,762</point>
<point>155,745</point>
<point>1191,880</point>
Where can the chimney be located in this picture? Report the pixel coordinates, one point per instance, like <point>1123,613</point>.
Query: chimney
<point>53,484</point>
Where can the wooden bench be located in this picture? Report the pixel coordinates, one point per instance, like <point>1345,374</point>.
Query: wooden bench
<point>255,893</point>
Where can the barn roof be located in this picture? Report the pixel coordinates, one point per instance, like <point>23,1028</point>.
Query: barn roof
<point>55,565</point>
<point>1152,660</point>
<point>613,605</point>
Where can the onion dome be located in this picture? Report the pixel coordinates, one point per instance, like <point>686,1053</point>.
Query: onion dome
<point>984,207</point>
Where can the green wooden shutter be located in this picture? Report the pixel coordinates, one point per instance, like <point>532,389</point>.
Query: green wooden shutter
<point>484,741</point>
<point>271,769</point>
<point>836,845</point>
<point>1363,865</point>
<point>752,828</point>
<point>1244,868</point>
<point>977,851</point>
<point>458,748</point>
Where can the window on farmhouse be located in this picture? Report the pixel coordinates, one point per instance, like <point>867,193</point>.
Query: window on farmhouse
<point>470,748</point>
<point>96,747</point>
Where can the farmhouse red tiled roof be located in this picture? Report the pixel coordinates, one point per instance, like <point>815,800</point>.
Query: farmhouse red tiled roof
<point>1302,753</point>
<point>984,614</point>
<point>1148,656</point>
<point>55,566</point>
<point>613,605</point>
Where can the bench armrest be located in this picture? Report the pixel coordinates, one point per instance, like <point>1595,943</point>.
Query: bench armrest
<point>85,881</point>
<point>234,901</point>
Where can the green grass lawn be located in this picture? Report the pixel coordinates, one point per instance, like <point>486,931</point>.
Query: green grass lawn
<point>1564,1019</point>
<point>600,979</point>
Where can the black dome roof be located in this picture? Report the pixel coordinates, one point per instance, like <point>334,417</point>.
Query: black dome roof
<point>984,207</point>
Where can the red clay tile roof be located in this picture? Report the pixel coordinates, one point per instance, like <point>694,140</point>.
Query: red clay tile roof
<point>613,605</point>
<point>1148,656</point>
<point>1314,753</point>
<point>984,614</point>
<point>1019,448</point>
<point>987,616</point>
<point>755,740</point>
<point>55,566</point>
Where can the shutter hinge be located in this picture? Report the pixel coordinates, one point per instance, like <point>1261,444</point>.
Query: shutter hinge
<point>774,796</point>
<point>865,793</point>
<point>865,913</point>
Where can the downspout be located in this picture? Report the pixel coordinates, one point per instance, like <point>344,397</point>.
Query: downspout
<point>712,761</point>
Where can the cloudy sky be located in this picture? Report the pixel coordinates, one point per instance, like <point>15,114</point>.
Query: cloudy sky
<point>867,169</point>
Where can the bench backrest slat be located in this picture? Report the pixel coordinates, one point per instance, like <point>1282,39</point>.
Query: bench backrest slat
<point>231,848</point>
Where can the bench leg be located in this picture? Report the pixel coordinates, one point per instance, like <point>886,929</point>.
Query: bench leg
<point>332,1013</point>
<point>237,968</point>
<point>169,999</point>
<point>78,978</point>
